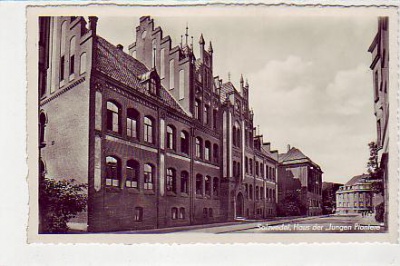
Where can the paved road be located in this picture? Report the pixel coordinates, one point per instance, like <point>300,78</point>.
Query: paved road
<point>325,224</point>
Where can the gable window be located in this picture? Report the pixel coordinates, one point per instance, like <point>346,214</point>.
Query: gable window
<point>113,116</point>
<point>171,180</point>
<point>207,150</point>
<point>62,68</point>
<point>171,74</point>
<point>199,184</point>
<point>184,142</point>
<point>181,90</point>
<point>162,63</point>
<point>82,63</point>
<point>148,130</point>
<point>72,55</point>
<point>132,123</point>
<point>132,174</point>
<point>199,147</point>
<point>138,214</point>
<point>113,171</point>
<point>170,137</point>
<point>184,182</point>
<point>148,176</point>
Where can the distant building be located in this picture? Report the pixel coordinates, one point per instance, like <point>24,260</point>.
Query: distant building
<point>159,139</point>
<point>329,196</point>
<point>355,196</point>
<point>380,71</point>
<point>299,175</point>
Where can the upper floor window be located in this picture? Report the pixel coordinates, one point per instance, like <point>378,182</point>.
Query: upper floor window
<point>206,114</point>
<point>184,182</point>
<point>113,116</point>
<point>207,150</point>
<point>257,193</point>
<point>162,63</point>
<point>251,166</point>
<point>199,184</point>
<point>170,137</point>
<point>171,74</point>
<point>82,63</point>
<point>184,142</point>
<point>262,169</point>
<point>251,191</point>
<point>148,172</point>
<point>261,192</point>
<point>153,86</point>
<point>207,185</point>
<point>132,123</point>
<point>197,104</point>
<point>132,174</point>
<point>199,147</point>
<point>256,168</point>
<point>62,68</point>
<point>153,53</point>
<point>215,116</point>
<point>72,55</point>
<point>171,180</point>
<point>113,171</point>
<point>216,186</point>
<point>216,153</point>
<point>181,90</point>
<point>148,129</point>
<point>246,165</point>
<point>63,38</point>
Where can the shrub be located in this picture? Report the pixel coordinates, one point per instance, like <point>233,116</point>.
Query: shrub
<point>59,201</point>
<point>380,212</point>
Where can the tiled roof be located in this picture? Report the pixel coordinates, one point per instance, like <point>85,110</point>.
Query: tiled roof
<point>294,155</point>
<point>356,179</point>
<point>122,67</point>
<point>226,89</point>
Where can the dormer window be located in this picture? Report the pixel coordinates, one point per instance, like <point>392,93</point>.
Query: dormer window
<point>153,87</point>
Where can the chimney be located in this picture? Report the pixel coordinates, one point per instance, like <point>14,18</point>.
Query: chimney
<point>120,47</point>
<point>288,147</point>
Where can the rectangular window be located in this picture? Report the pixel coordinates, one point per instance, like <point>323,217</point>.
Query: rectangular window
<point>62,68</point>
<point>251,166</point>
<point>181,84</point>
<point>72,65</point>
<point>162,63</point>
<point>206,114</point>
<point>138,214</point>
<point>171,74</point>
<point>131,126</point>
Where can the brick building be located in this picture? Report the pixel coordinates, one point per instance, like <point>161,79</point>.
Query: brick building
<point>355,196</point>
<point>379,50</point>
<point>298,175</point>
<point>159,139</point>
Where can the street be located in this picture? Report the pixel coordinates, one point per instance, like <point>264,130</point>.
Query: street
<point>320,224</point>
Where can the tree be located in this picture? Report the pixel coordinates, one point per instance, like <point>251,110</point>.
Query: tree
<point>291,205</point>
<point>60,201</point>
<point>374,171</point>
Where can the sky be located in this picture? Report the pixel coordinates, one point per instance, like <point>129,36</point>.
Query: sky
<point>309,77</point>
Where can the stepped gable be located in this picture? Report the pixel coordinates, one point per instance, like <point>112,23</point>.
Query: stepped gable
<point>122,67</point>
<point>356,180</point>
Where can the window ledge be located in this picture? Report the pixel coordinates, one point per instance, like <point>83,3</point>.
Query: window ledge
<point>133,190</point>
<point>113,189</point>
<point>149,192</point>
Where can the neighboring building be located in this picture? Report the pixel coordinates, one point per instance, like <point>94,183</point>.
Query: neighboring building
<point>329,197</point>
<point>159,140</point>
<point>355,196</point>
<point>380,69</point>
<point>299,175</point>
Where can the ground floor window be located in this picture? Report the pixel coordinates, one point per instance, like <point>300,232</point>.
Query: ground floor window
<point>138,214</point>
<point>174,213</point>
<point>182,213</point>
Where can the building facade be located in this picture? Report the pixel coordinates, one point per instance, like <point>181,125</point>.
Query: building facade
<point>379,50</point>
<point>159,139</point>
<point>300,177</point>
<point>355,196</point>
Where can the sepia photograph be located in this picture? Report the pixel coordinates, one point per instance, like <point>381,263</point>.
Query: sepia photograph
<point>234,121</point>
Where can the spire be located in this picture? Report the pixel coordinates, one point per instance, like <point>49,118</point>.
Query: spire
<point>187,33</point>
<point>201,41</point>
<point>229,76</point>
<point>241,78</point>
<point>181,40</point>
<point>191,45</point>
<point>210,49</point>
<point>247,83</point>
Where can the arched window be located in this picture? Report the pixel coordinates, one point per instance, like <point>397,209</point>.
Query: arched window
<point>82,63</point>
<point>181,90</point>
<point>262,170</point>
<point>234,169</point>
<point>234,136</point>
<point>113,117</point>
<point>207,150</point>
<point>257,193</point>
<point>148,129</point>
<point>171,74</point>
<point>261,192</point>
<point>42,125</point>
<point>184,142</point>
<point>267,190</point>
<point>148,172</point>
<point>216,186</point>
<point>216,153</point>
<point>199,184</point>
<point>153,53</point>
<point>72,45</point>
<point>138,214</point>
<point>251,166</point>
<point>184,182</point>
<point>171,137</point>
<point>174,213</point>
<point>132,174</point>
<point>246,165</point>
<point>171,180</point>
<point>62,49</point>
<point>113,171</point>
<point>256,167</point>
<point>182,213</point>
<point>251,192</point>
<point>132,123</point>
<point>215,112</point>
<point>208,185</point>
<point>246,190</point>
<point>162,63</point>
<point>199,147</point>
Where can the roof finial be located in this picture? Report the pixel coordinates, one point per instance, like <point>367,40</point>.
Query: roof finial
<point>181,40</point>
<point>210,49</point>
<point>187,33</point>
<point>201,41</point>
<point>229,76</point>
<point>241,78</point>
<point>247,82</point>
